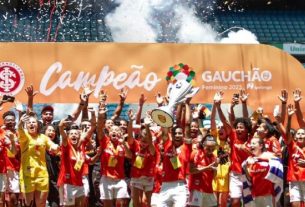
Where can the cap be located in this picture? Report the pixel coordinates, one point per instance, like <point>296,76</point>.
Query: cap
<point>47,108</point>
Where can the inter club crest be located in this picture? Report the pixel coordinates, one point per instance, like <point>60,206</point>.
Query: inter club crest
<point>11,78</point>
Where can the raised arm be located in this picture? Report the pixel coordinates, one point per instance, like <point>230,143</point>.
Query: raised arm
<point>199,114</point>
<point>290,111</point>
<point>31,94</point>
<point>18,107</point>
<point>23,119</point>
<point>217,101</point>
<point>159,99</point>
<point>118,110</point>
<point>179,113</point>
<point>11,136</point>
<point>243,98</point>
<point>234,102</point>
<point>92,117</point>
<point>21,131</point>
<point>85,114</point>
<point>164,135</point>
<point>87,134</point>
<point>130,126</point>
<point>142,100</point>
<point>283,98</point>
<point>101,121</point>
<point>63,134</point>
<point>213,118</point>
<point>188,119</point>
<point>279,124</point>
<point>297,98</point>
<point>84,97</point>
<point>148,137</point>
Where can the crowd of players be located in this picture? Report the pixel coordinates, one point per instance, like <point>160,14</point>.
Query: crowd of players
<point>253,160</point>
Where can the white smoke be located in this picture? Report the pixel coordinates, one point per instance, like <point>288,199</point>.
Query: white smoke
<point>128,23</point>
<point>242,36</point>
<point>165,21</point>
<point>192,30</point>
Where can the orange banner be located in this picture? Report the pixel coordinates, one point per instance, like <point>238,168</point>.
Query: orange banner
<point>58,70</point>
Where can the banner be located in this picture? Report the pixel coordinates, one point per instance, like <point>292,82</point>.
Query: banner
<point>294,48</point>
<point>58,70</point>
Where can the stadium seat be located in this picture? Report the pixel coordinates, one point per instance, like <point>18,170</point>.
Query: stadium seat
<point>283,26</point>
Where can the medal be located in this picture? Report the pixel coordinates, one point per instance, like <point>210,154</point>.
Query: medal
<point>139,161</point>
<point>113,161</point>
<point>79,161</point>
<point>175,162</point>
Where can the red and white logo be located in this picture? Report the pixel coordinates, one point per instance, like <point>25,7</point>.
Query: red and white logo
<point>11,78</point>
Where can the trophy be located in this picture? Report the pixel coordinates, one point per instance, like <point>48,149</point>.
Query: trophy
<point>180,87</point>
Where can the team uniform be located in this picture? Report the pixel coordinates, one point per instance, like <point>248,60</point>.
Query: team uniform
<point>175,167</point>
<point>273,145</point>
<point>262,189</point>
<point>33,170</point>
<point>85,177</point>
<point>3,161</point>
<point>237,158</point>
<point>13,167</point>
<point>155,200</point>
<point>112,183</point>
<point>71,172</point>
<point>143,167</point>
<point>221,180</point>
<point>200,184</point>
<point>296,174</point>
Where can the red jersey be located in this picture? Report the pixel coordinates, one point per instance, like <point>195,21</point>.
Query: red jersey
<point>258,172</point>
<point>158,179</point>
<point>86,169</point>
<point>202,181</point>
<point>112,159</point>
<point>274,146</point>
<point>143,162</point>
<point>13,161</point>
<point>295,172</point>
<point>237,155</point>
<point>86,165</point>
<point>175,161</point>
<point>3,154</point>
<point>71,171</point>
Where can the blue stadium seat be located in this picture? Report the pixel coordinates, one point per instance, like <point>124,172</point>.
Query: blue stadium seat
<point>283,26</point>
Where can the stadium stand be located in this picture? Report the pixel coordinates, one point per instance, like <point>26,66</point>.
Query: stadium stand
<point>55,22</point>
<point>269,26</point>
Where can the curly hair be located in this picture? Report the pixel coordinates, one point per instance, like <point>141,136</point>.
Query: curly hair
<point>245,121</point>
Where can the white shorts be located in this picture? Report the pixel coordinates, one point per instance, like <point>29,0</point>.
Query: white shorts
<point>155,200</point>
<point>173,194</point>
<point>2,182</point>
<point>263,201</point>
<point>113,188</point>
<point>12,180</point>
<point>68,193</point>
<point>297,191</point>
<point>236,186</point>
<point>86,185</point>
<point>198,198</point>
<point>145,184</point>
